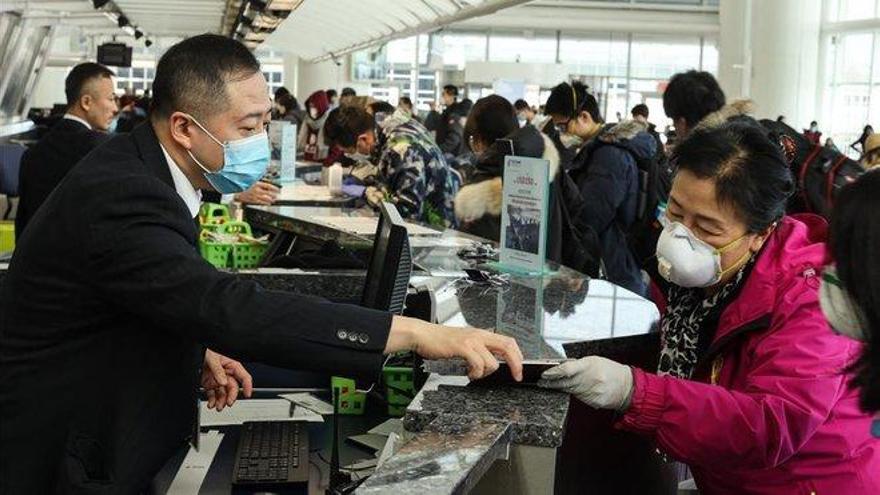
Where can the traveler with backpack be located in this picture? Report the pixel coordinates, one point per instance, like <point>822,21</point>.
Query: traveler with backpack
<point>694,100</point>
<point>492,132</point>
<point>606,170</point>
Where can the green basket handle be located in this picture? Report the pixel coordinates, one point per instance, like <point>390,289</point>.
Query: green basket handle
<point>214,213</point>
<point>236,227</point>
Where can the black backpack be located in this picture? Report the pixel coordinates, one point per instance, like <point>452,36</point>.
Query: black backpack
<point>580,247</point>
<point>655,181</point>
<point>819,172</point>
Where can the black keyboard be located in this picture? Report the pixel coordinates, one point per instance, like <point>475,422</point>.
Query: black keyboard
<point>272,455</point>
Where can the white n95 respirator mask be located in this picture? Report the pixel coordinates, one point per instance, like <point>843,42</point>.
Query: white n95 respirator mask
<point>686,261</point>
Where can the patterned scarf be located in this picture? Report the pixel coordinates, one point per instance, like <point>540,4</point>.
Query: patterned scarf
<point>680,328</point>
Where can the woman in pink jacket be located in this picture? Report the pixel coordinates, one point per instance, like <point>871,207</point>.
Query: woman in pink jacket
<point>753,390</point>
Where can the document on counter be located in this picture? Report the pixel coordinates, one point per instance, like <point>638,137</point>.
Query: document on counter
<point>195,465</point>
<point>368,225</point>
<point>309,402</point>
<point>305,192</point>
<point>256,410</point>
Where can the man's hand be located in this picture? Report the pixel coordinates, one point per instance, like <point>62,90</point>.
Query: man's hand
<point>598,382</point>
<point>221,377</point>
<point>478,347</point>
<point>261,193</point>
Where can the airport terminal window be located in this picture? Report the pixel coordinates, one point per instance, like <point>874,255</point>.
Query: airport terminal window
<point>851,10</point>
<point>459,48</point>
<point>538,48</point>
<point>851,96</point>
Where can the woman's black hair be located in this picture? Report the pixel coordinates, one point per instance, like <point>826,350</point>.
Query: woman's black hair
<point>854,244</point>
<point>749,171</point>
<point>572,99</point>
<point>405,100</point>
<point>491,118</point>
<point>692,95</point>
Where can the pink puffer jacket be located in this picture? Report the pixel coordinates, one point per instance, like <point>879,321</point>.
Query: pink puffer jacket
<point>770,409</point>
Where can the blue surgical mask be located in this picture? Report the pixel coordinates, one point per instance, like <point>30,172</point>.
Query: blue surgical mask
<point>244,162</point>
<point>113,124</point>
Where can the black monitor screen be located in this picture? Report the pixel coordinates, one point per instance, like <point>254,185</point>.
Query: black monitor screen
<point>390,263</point>
<point>115,54</point>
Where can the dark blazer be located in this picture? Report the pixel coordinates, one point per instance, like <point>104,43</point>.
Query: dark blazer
<point>104,315</point>
<point>47,162</point>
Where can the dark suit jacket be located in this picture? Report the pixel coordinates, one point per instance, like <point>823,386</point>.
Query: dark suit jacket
<point>103,317</point>
<point>46,163</point>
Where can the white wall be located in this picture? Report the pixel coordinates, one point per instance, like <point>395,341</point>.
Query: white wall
<point>50,88</point>
<point>769,52</point>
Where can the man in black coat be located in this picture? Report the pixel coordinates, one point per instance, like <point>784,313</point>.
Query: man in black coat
<point>107,307</point>
<point>91,106</point>
<point>450,126</point>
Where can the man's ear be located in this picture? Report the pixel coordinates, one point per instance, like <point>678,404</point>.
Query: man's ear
<point>181,129</point>
<point>85,101</point>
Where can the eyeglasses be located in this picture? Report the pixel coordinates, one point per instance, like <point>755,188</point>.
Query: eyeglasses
<point>562,127</point>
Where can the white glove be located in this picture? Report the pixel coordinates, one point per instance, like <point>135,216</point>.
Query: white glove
<point>598,382</point>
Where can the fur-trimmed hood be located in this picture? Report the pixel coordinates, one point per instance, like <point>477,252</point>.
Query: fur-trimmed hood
<point>733,110</point>
<point>479,199</point>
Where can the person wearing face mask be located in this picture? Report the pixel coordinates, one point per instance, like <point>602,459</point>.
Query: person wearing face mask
<point>850,290</point>
<point>606,172</point>
<point>107,308</point>
<point>813,135</point>
<point>493,133</point>
<point>407,168</point>
<point>524,112</point>
<point>91,110</point>
<point>311,133</point>
<point>752,390</point>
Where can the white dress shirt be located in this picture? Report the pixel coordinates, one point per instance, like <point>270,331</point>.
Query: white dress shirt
<point>77,119</point>
<point>189,194</point>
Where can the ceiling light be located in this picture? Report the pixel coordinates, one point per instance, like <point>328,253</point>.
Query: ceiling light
<point>122,21</point>
<point>138,34</point>
<point>100,3</point>
<point>148,43</point>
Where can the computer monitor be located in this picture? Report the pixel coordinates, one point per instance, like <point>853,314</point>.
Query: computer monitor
<point>390,263</point>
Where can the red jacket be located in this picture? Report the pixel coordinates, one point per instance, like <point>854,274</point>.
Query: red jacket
<point>770,409</point>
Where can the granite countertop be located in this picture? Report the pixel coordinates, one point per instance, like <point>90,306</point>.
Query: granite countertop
<point>448,456</point>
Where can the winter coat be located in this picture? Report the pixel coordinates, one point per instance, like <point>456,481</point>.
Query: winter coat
<point>770,409</point>
<point>450,130</point>
<point>606,172</point>
<point>478,204</point>
<point>311,132</point>
<point>414,175</point>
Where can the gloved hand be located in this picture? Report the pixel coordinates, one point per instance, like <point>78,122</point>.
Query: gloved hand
<point>598,382</point>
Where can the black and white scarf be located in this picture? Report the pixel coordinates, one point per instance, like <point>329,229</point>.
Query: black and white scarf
<point>681,326</point>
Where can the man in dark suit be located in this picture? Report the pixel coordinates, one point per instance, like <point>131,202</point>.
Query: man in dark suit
<point>107,308</point>
<point>91,106</point>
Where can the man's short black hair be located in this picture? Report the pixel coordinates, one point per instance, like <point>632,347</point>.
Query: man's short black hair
<point>330,93</point>
<point>640,110</point>
<point>521,105</point>
<point>345,124</point>
<point>750,173</point>
<point>79,76</point>
<point>451,89</point>
<point>192,75</point>
<point>281,91</point>
<point>570,100</point>
<point>692,95</point>
<point>406,101</point>
<point>382,107</point>
<point>348,92</point>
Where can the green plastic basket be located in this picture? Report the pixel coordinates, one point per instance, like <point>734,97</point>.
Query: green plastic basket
<point>351,402</point>
<point>213,214</point>
<point>399,388</point>
<point>236,255</point>
<point>7,236</point>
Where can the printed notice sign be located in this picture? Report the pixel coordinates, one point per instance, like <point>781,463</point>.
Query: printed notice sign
<point>524,214</point>
<point>282,165</point>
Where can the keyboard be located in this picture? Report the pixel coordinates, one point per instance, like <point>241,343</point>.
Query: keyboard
<point>271,455</point>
